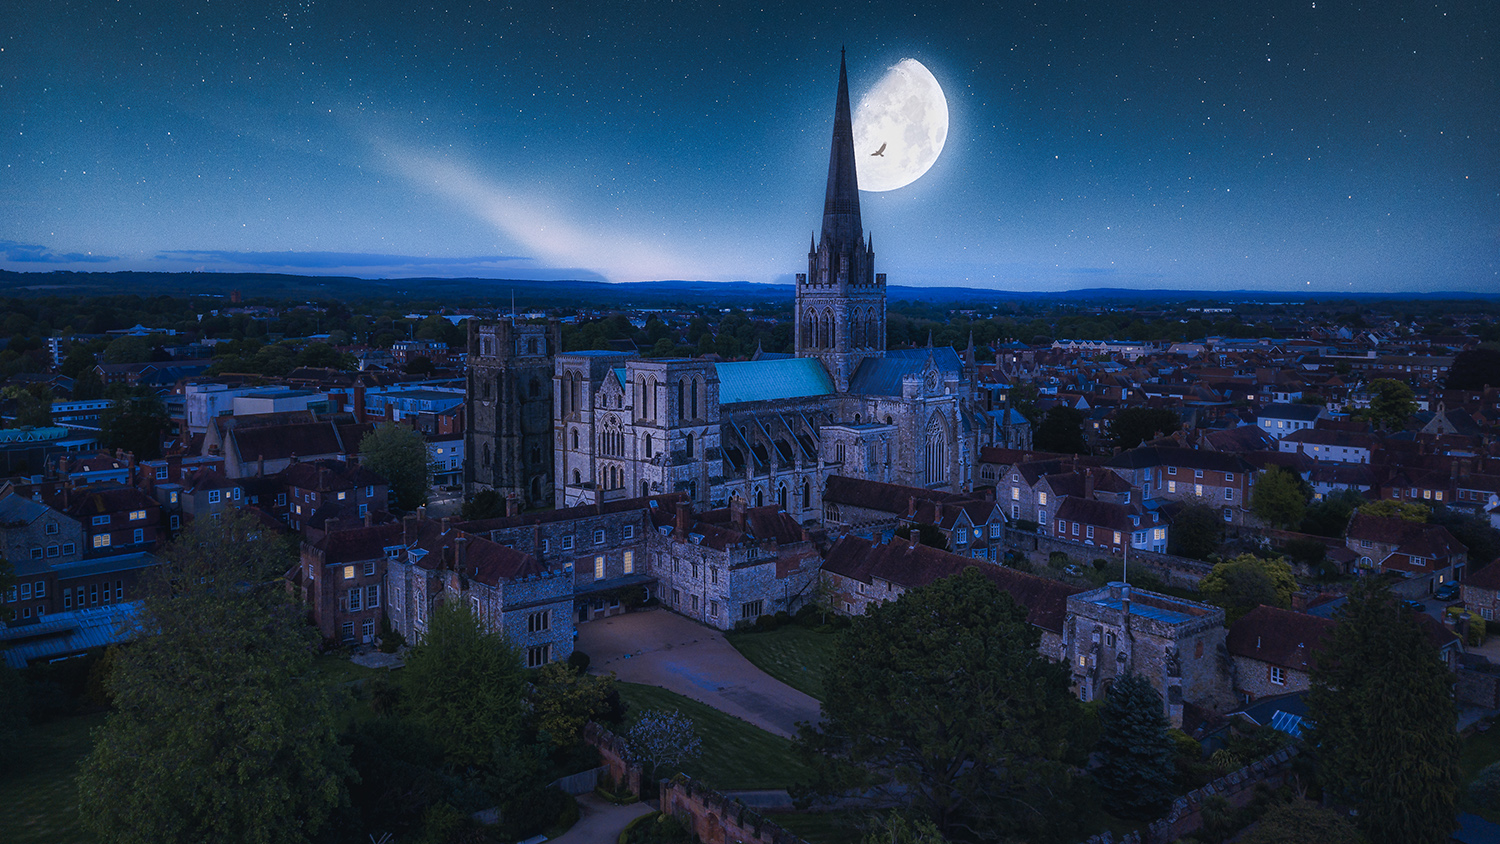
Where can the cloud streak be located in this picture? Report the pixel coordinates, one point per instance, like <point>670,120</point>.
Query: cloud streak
<point>328,260</point>
<point>27,253</point>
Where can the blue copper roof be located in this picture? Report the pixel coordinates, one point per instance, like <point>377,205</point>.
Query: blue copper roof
<point>767,380</point>
<point>882,376</point>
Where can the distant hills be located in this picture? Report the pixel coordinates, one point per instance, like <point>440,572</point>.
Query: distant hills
<point>649,294</point>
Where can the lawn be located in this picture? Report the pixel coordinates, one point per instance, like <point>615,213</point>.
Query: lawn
<point>38,795</point>
<point>793,654</point>
<point>823,827</point>
<point>1476,751</point>
<point>736,755</point>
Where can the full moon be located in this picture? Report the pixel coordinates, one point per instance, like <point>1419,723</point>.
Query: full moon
<point>899,127</point>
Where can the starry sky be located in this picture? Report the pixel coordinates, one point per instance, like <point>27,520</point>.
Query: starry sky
<point>1320,146</point>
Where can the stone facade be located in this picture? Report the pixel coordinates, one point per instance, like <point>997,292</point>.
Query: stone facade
<point>1175,643</point>
<point>1273,651</point>
<point>508,436</point>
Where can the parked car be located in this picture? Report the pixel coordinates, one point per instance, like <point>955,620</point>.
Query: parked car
<point>1414,606</point>
<point>1447,592</point>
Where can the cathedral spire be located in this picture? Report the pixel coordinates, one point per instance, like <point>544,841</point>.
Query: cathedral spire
<point>842,231</point>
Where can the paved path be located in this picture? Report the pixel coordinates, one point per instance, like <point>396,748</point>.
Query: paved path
<point>660,648</point>
<point>599,821</point>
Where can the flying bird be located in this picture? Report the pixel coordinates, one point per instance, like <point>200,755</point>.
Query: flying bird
<point>880,152</point>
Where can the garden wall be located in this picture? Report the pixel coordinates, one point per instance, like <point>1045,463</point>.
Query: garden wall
<point>717,819</point>
<point>616,758</point>
<point>1186,815</point>
<point>1173,571</point>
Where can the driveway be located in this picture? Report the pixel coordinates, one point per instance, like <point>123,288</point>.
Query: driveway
<point>660,648</point>
<point>599,821</point>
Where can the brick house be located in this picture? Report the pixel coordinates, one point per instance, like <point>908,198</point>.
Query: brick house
<point>1109,525</point>
<point>1219,480</point>
<point>1272,651</point>
<point>342,578</point>
<point>1390,544</point>
<point>973,528</point>
<point>114,518</point>
<point>34,538</point>
<point>865,506</point>
<point>351,490</point>
<point>1481,591</point>
<point>859,572</point>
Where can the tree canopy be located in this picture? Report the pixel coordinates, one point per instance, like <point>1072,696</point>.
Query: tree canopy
<point>1197,531</point>
<point>1392,402</point>
<point>1474,369</point>
<point>219,731</point>
<point>1061,431</point>
<point>1384,721</point>
<point>1279,498</point>
<point>1137,766</point>
<point>1240,584</point>
<point>399,454</point>
<point>1135,425</point>
<point>942,698</point>
<point>1407,510</point>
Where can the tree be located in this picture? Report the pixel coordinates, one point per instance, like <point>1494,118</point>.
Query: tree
<point>14,708</point>
<point>901,828</point>
<point>1197,531</point>
<point>220,730</point>
<point>1384,721</point>
<point>563,701</point>
<point>33,405</point>
<point>940,698</point>
<point>399,454</point>
<point>1474,369</point>
<point>1484,790</point>
<point>1389,509</point>
<point>660,739</point>
<point>1392,402</point>
<point>1137,765</point>
<point>1135,425</point>
<point>1240,584</point>
<point>1279,497</point>
<point>465,685</point>
<point>1301,822</point>
<point>1330,516</point>
<point>485,504</point>
<point>1061,431</point>
<point>136,421</point>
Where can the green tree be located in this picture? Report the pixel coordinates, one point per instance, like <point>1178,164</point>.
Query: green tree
<point>14,706</point>
<point>1137,765</point>
<point>1197,531</point>
<point>1240,584</point>
<point>485,504</point>
<point>1301,822</point>
<point>1061,431</point>
<point>465,685</point>
<point>220,731</point>
<point>33,406</point>
<point>136,421</point>
<point>1474,369</point>
<point>1390,509</point>
<point>902,828</point>
<point>1330,516</point>
<point>563,700</point>
<point>941,697</point>
<point>1279,497</point>
<point>399,454</point>
<point>1384,721</point>
<point>1134,425</point>
<point>1392,402</point>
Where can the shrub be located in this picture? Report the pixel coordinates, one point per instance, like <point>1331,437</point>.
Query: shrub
<point>579,661</point>
<point>1059,560</point>
<point>767,623</point>
<point>783,618</point>
<point>1484,791</point>
<point>656,828</point>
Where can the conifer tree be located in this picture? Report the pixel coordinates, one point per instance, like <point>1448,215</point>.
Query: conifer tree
<point>1384,722</point>
<point>1136,771</point>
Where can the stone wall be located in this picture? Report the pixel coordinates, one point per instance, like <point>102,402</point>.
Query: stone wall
<point>1186,815</point>
<point>717,819</point>
<point>1172,571</point>
<point>1478,683</point>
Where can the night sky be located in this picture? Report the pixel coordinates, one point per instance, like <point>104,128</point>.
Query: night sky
<point>1316,146</point>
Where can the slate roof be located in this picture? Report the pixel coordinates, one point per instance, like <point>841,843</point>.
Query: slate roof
<point>279,442</point>
<point>882,376</point>
<point>1422,540</point>
<point>1279,637</point>
<point>665,503</point>
<point>1140,458</point>
<point>19,510</point>
<point>328,475</point>
<point>360,544</point>
<point>878,495</point>
<point>910,566</point>
<point>1486,578</point>
<point>1297,412</point>
<point>769,380</point>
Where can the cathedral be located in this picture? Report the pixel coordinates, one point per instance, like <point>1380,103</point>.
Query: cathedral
<point>766,431</point>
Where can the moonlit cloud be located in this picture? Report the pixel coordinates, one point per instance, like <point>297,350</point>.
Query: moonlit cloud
<point>28,253</point>
<point>553,238</point>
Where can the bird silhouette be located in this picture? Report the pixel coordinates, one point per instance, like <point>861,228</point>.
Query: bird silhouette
<point>880,152</point>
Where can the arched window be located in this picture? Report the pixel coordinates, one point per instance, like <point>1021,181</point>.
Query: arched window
<point>650,449</point>
<point>874,331</point>
<point>689,445</point>
<point>935,453</point>
<point>809,329</point>
<point>681,406</point>
<point>536,488</point>
<point>697,407</point>
<point>536,455</point>
<point>575,438</point>
<point>833,339</point>
<point>856,331</point>
<point>486,455</point>
<point>806,494</point>
<point>760,497</point>
<point>577,478</point>
<point>692,490</point>
<point>645,489</point>
<point>781,495</point>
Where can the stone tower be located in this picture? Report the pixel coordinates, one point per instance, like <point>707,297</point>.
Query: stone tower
<point>841,300</point>
<point>508,432</point>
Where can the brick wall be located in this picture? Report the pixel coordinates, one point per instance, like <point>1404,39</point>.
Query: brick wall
<point>1173,571</point>
<point>616,757</point>
<point>717,819</point>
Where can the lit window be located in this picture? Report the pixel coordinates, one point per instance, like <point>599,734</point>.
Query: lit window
<point>1041,498</point>
<point>627,562</point>
<point>599,567</point>
<point>348,572</point>
<point>1278,675</point>
<point>101,540</point>
<point>1117,537</point>
<point>342,495</point>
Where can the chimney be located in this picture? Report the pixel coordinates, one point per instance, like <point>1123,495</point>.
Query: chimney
<point>421,512</point>
<point>260,466</point>
<point>512,505</point>
<point>445,526</point>
<point>408,529</point>
<point>1088,484</point>
<point>359,401</point>
<point>460,551</point>
<point>369,517</point>
<point>737,513</point>
<point>1299,602</point>
<point>684,519</point>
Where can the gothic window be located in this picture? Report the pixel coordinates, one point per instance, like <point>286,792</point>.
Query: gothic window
<point>486,455</point>
<point>645,489</point>
<point>577,396</point>
<point>650,398</point>
<point>577,477</point>
<point>806,494</point>
<point>809,331</point>
<point>697,407</point>
<point>831,331</point>
<point>934,453</point>
<point>531,346</point>
<point>839,449</point>
<point>536,488</point>
<point>536,455</point>
<point>486,385</point>
<point>650,451</point>
<point>681,406</point>
<point>692,490</point>
<point>760,497</point>
<point>781,495</point>
<point>575,438</point>
<point>873,329</point>
<point>690,445</point>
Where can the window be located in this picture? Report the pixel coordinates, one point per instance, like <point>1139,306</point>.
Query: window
<point>598,537</point>
<point>281,499</point>
<point>94,593</point>
<point>26,591</point>
<point>355,599</point>
<point>1278,675</point>
<point>1041,498</point>
<point>538,622</point>
<point>963,535</point>
<point>67,548</point>
<point>751,610</point>
<point>713,575</point>
<point>36,553</point>
<point>1109,639</point>
<point>1228,477</point>
<point>995,531</point>
<point>101,520</point>
<point>161,473</point>
<point>567,543</point>
<point>1172,486</point>
<point>67,599</point>
<point>1075,528</point>
<point>538,656</point>
<point>1161,533</point>
<point>1062,526</point>
<point>364,510</point>
<point>1171,470</point>
<point>348,572</point>
<point>1198,490</point>
<point>52,528</point>
<point>214,498</point>
<point>235,494</point>
<point>52,550</point>
<point>372,596</point>
<point>1117,537</point>
<point>367,629</point>
<point>599,567</point>
<point>369,568</point>
<point>139,536</point>
<point>369,491</point>
<point>1089,532</point>
<point>1228,493</point>
<point>627,562</point>
<point>1228,514</point>
<point>101,540</point>
<point>176,522</point>
<point>1015,493</point>
<point>713,609</point>
<point>630,531</point>
<point>347,631</point>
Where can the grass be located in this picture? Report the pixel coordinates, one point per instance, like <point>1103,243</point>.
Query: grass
<point>823,827</point>
<point>736,755</point>
<point>341,670</point>
<point>1475,752</point>
<point>793,654</point>
<point>38,795</point>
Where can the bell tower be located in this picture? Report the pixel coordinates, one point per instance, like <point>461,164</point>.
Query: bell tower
<point>841,299</point>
